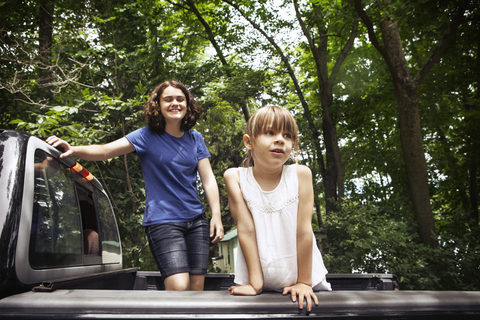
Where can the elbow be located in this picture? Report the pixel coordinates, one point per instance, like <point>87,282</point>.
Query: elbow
<point>246,232</point>
<point>257,289</point>
<point>256,282</point>
<point>304,237</point>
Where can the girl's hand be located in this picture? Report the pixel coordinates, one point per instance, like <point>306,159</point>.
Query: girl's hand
<point>246,290</point>
<point>304,292</point>
<point>55,141</point>
<point>216,229</point>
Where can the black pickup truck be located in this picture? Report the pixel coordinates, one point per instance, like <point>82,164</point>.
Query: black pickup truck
<point>61,257</point>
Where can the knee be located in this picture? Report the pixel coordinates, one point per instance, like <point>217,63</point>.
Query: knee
<point>177,282</point>
<point>197,282</point>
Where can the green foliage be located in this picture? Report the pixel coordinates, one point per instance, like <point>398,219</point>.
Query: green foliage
<point>222,128</point>
<point>373,238</point>
<point>107,56</point>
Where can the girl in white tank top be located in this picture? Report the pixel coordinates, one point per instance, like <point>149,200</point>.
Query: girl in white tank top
<point>272,204</point>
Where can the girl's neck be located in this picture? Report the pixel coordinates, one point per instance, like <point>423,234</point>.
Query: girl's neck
<point>268,180</point>
<point>174,130</point>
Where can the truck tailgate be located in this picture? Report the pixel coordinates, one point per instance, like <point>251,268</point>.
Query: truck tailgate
<point>123,304</point>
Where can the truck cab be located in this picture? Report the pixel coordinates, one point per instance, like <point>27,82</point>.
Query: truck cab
<point>56,219</point>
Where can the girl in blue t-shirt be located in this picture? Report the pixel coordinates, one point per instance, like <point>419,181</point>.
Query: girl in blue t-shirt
<point>171,154</point>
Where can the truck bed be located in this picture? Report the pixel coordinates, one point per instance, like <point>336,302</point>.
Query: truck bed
<point>128,294</point>
<point>129,304</point>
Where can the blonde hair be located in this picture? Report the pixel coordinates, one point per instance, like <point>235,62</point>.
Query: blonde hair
<point>276,118</point>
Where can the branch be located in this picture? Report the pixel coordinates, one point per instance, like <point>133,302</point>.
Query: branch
<point>211,36</point>
<point>442,44</point>
<point>343,54</point>
<point>311,42</point>
<point>307,114</point>
<point>282,57</point>
<point>18,81</point>
<point>371,33</point>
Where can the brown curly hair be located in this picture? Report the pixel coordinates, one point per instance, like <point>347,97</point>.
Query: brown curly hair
<point>153,114</point>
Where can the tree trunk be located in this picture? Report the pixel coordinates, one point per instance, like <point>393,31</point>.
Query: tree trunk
<point>474,149</point>
<point>319,213</point>
<point>473,190</point>
<point>332,153</point>
<point>331,170</point>
<point>332,173</point>
<point>45,48</point>
<point>407,105</point>
<point>410,133</point>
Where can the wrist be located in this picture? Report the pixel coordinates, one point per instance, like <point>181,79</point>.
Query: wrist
<point>216,215</point>
<point>72,151</point>
<point>305,283</point>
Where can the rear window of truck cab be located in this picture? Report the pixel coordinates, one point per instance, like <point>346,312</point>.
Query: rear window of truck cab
<point>71,220</point>
<point>67,226</point>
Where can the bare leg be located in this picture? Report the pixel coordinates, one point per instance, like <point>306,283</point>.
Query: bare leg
<point>177,282</point>
<point>197,282</point>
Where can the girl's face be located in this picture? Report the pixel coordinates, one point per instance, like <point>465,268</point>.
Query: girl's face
<point>173,105</point>
<point>271,147</point>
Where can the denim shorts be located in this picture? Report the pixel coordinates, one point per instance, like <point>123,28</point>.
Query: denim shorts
<point>180,247</point>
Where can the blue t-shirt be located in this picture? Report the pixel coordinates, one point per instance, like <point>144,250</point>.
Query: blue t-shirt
<point>169,166</point>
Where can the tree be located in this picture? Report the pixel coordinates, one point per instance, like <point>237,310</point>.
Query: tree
<point>45,47</point>
<point>406,88</point>
<point>320,42</point>
<point>210,35</point>
<point>105,58</point>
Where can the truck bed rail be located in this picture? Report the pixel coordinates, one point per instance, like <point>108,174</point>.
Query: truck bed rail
<point>121,304</point>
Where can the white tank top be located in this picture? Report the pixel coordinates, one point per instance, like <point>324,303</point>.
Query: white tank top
<point>275,217</point>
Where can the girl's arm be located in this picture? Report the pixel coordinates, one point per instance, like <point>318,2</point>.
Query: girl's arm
<point>93,152</point>
<point>303,288</point>
<point>211,190</point>
<point>246,235</point>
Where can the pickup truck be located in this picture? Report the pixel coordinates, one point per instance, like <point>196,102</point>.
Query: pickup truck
<point>61,257</point>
